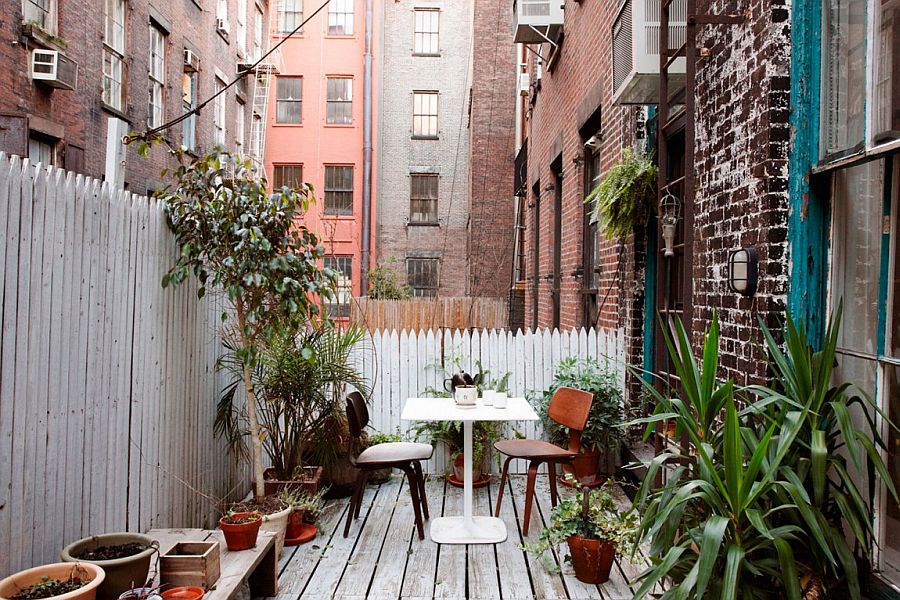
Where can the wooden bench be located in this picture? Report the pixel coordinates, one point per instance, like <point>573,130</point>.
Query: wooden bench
<point>256,566</point>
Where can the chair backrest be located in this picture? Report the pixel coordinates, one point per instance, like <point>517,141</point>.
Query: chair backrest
<point>570,408</point>
<point>357,413</point>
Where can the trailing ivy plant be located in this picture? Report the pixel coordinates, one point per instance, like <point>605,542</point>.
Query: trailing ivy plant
<point>233,235</point>
<point>625,197</point>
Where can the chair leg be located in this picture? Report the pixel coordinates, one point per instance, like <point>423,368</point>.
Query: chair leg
<point>414,492</point>
<point>361,489</point>
<point>529,493</point>
<point>503,477</point>
<point>551,472</point>
<point>355,500</point>
<point>422,499</point>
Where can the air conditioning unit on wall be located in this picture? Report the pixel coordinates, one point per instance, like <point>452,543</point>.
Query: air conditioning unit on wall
<point>635,50</point>
<point>537,21</point>
<point>54,68</point>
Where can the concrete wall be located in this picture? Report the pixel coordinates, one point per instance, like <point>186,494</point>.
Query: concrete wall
<point>449,74</point>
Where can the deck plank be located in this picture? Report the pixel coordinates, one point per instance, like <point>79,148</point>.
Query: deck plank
<point>387,582</point>
<point>450,578</point>
<point>421,564</point>
<point>482,558</point>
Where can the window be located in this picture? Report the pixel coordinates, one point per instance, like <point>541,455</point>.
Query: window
<point>41,150</point>
<point>425,114</point>
<point>188,103</point>
<point>423,277</point>
<point>591,244</point>
<point>426,32</point>
<point>339,306</point>
<point>843,90</point>
<point>338,190</point>
<point>222,10</point>
<point>114,55</point>
<point>42,12</point>
<point>157,76</point>
<point>339,110</point>
<point>287,175</point>
<point>423,198</point>
<point>241,26</point>
<point>886,119</point>
<point>291,15</point>
<point>219,113</point>
<point>240,114</point>
<point>257,35</point>
<point>256,125</point>
<point>340,17</point>
<point>289,100</point>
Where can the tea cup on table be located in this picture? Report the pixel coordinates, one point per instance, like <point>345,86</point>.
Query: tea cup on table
<point>500,399</point>
<point>487,397</point>
<point>465,395</point>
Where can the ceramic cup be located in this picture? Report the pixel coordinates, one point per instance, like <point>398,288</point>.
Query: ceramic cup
<point>466,395</point>
<point>500,399</point>
<point>487,397</point>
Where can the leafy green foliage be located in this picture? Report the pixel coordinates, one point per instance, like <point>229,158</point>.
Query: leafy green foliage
<point>48,588</point>
<point>626,195</point>
<point>302,501</point>
<point>603,429</point>
<point>384,282</point>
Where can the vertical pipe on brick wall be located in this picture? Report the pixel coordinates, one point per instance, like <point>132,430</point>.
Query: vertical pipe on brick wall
<point>367,154</point>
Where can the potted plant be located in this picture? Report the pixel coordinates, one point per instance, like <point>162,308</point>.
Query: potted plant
<point>593,527</point>
<point>240,529</point>
<point>274,512</point>
<point>124,557</point>
<point>236,237</point>
<point>305,509</point>
<point>625,198</point>
<point>602,438</point>
<point>60,581</point>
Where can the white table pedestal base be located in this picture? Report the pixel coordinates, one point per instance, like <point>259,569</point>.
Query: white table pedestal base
<point>459,530</point>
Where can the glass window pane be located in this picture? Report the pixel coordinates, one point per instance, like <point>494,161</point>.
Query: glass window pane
<point>843,83</point>
<point>886,113</point>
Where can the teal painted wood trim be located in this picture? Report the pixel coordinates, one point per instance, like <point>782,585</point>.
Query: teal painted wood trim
<point>652,257</point>
<point>884,271</point>
<point>808,215</point>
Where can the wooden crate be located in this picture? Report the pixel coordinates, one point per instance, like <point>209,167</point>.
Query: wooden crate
<point>190,563</point>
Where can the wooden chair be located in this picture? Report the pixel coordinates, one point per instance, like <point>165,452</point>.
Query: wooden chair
<point>568,407</point>
<point>406,456</point>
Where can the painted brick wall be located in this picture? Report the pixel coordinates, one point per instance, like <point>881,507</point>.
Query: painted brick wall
<point>79,114</point>
<point>742,141</point>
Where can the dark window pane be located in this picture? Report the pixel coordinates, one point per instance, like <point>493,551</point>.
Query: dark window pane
<point>423,198</point>
<point>339,306</point>
<point>287,175</point>
<point>338,190</point>
<point>423,276</point>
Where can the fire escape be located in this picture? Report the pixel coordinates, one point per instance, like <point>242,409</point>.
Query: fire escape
<point>263,74</point>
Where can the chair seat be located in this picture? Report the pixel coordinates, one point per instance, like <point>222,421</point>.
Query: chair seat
<point>394,452</point>
<point>533,449</point>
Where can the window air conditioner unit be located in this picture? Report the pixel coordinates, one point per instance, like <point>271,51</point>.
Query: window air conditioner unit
<point>54,68</point>
<point>537,21</point>
<point>222,25</point>
<point>524,84</point>
<point>191,61</point>
<point>635,50</point>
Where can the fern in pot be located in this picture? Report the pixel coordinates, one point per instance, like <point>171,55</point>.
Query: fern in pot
<point>625,197</point>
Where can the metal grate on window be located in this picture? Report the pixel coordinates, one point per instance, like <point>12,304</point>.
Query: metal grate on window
<point>422,275</point>
<point>423,198</point>
<point>338,190</point>
<point>289,100</point>
<point>339,110</point>
<point>287,175</point>
<point>339,306</point>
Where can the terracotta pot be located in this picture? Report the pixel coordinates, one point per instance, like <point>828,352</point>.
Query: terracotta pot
<point>583,468</point>
<point>457,475</point>
<point>310,485</point>
<point>294,526</point>
<point>240,536</point>
<point>277,523</point>
<point>188,592</point>
<point>16,582</point>
<point>591,559</point>
<point>122,574</point>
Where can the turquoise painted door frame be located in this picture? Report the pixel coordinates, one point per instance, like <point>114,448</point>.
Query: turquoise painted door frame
<point>808,220</point>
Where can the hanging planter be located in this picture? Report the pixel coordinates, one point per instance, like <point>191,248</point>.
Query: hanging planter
<point>626,196</point>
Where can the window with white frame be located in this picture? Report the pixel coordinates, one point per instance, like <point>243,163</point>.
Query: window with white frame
<point>189,103</point>
<point>219,113</point>
<point>240,117</point>
<point>289,100</point>
<point>42,12</point>
<point>257,34</point>
<point>423,276</point>
<point>339,306</point>
<point>114,54</point>
<point>339,102</point>
<point>425,114</point>
<point>886,117</point>
<point>241,33</point>
<point>423,198</point>
<point>340,17</point>
<point>426,32</point>
<point>157,76</point>
<point>290,16</point>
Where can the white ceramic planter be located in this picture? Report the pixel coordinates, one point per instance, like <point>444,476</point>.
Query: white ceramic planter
<point>277,523</point>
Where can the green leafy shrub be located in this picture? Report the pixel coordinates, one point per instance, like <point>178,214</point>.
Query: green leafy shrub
<point>384,282</point>
<point>626,196</point>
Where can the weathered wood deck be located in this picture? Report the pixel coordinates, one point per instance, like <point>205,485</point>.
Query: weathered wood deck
<point>382,558</point>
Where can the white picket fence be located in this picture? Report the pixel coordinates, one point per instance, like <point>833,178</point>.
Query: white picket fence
<point>403,365</point>
<point>107,381</point>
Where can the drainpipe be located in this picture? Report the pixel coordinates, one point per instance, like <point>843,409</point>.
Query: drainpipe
<point>367,154</point>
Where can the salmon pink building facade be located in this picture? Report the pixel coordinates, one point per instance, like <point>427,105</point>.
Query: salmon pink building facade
<point>320,128</point>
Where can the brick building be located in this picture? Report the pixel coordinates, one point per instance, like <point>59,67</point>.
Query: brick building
<point>139,63</point>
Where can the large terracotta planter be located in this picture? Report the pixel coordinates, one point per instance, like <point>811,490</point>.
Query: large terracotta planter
<point>310,485</point>
<point>591,559</point>
<point>583,468</point>
<point>16,582</point>
<point>277,524</point>
<point>457,475</point>
<point>122,574</point>
<point>240,536</point>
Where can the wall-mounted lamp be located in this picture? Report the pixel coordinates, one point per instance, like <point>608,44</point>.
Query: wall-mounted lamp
<point>669,212</point>
<point>743,270</point>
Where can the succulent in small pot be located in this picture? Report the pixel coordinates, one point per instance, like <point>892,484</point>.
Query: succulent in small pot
<point>305,509</point>
<point>240,529</point>
<point>593,527</point>
<point>61,581</point>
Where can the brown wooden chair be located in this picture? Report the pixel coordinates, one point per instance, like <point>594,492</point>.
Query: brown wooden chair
<point>568,407</point>
<point>406,456</point>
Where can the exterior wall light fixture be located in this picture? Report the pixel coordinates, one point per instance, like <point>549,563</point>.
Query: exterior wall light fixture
<point>669,212</point>
<point>743,270</point>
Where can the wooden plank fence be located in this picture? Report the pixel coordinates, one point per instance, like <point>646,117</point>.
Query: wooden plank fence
<point>400,365</point>
<point>430,313</point>
<point>107,381</point>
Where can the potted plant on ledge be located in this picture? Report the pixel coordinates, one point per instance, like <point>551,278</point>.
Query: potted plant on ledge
<point>594,528</point>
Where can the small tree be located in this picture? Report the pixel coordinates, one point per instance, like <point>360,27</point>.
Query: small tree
<point>384,282</point>
<point>235,236</point>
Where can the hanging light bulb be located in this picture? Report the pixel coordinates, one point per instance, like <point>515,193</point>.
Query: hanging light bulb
<point>669,212</point>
